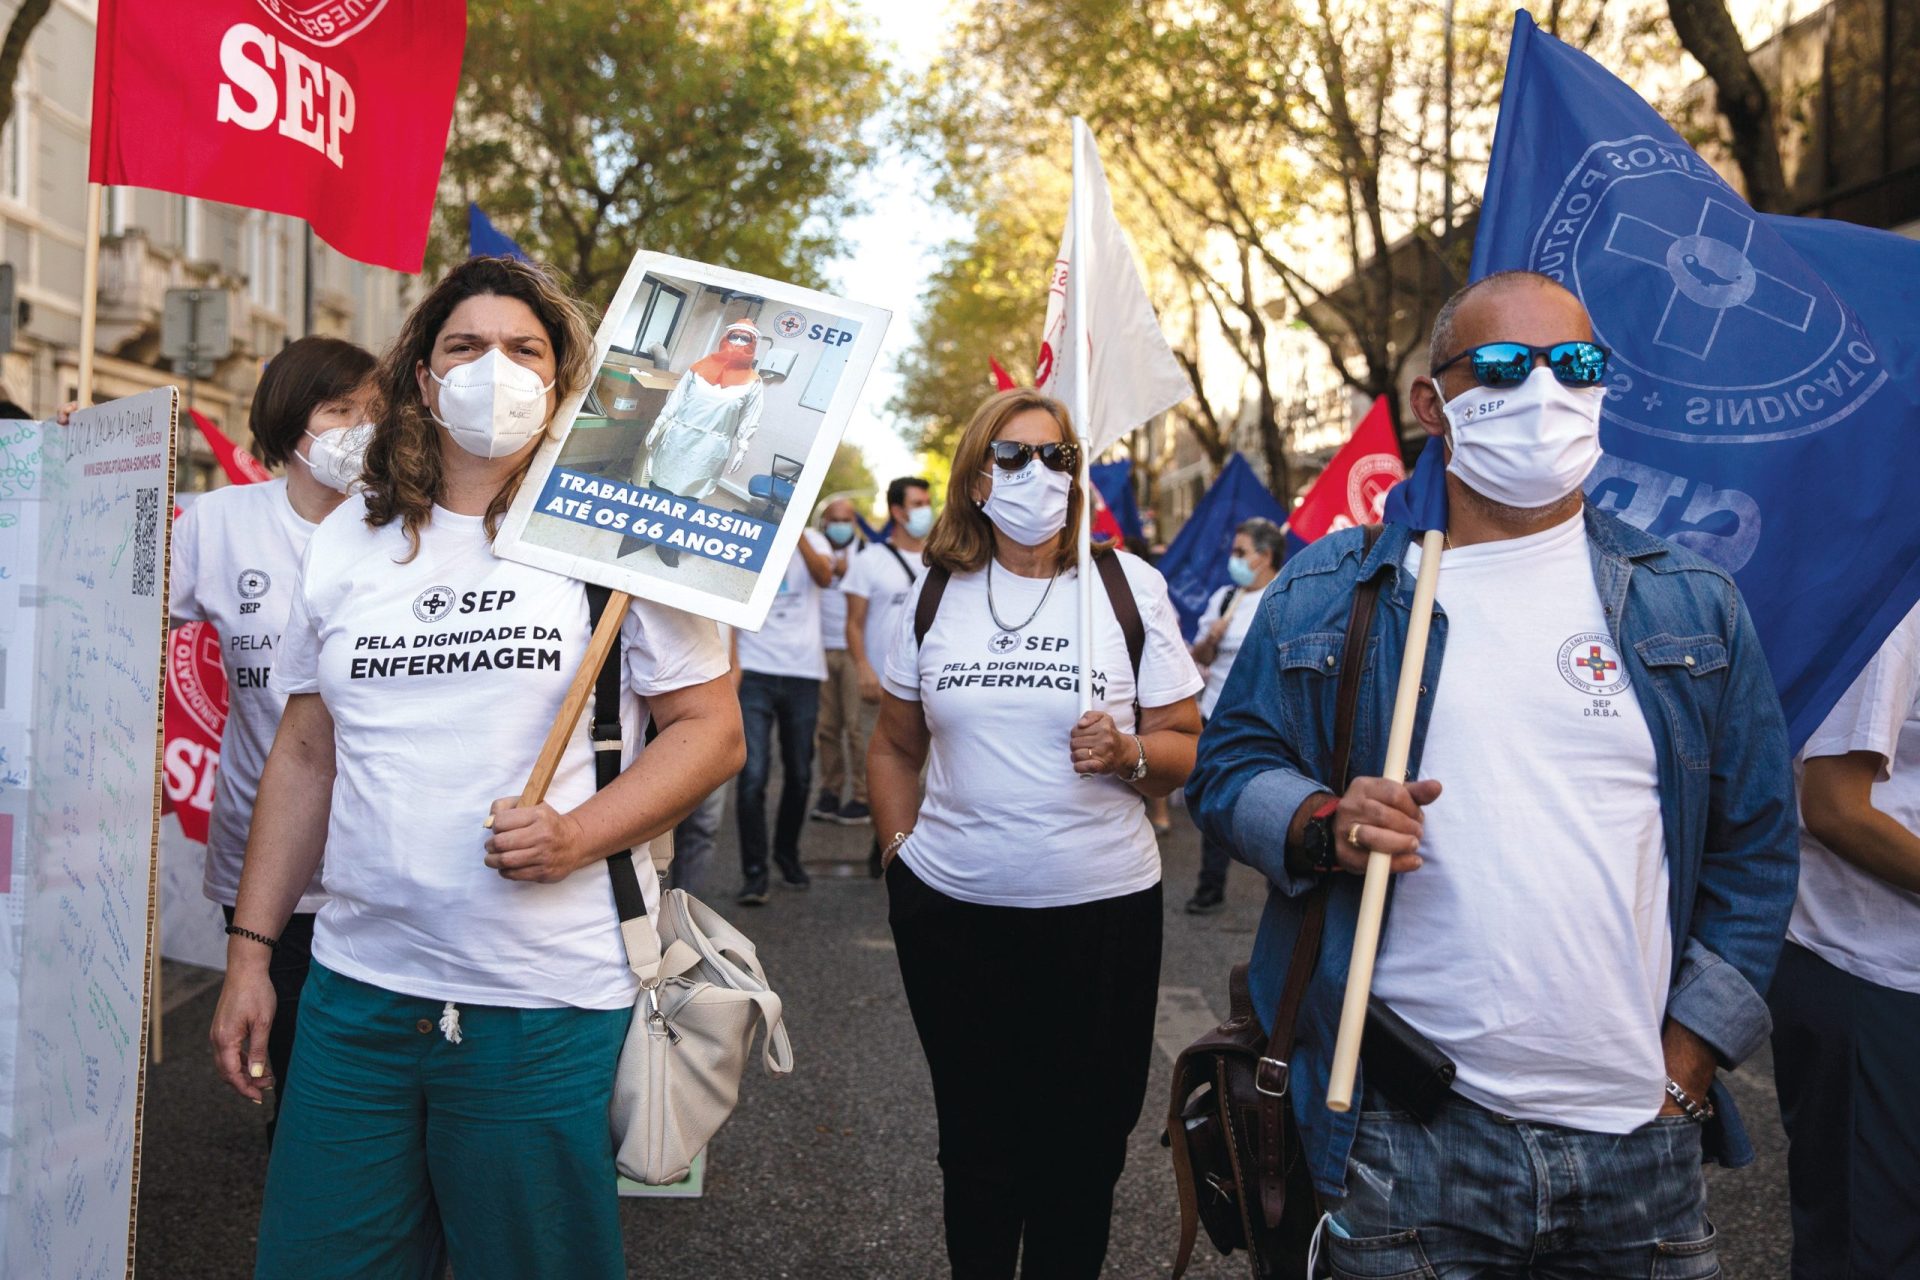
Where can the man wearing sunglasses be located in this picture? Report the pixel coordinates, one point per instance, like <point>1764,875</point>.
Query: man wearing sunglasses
<point>1595,862</point>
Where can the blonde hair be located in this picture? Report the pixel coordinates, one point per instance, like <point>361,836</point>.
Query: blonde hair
<point>962,538</point>
<point>403,466</point>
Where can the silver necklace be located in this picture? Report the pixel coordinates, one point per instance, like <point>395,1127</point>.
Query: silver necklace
<point>1006,630</point>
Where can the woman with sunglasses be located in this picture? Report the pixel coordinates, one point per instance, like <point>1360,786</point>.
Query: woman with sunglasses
<point>1024,890</point>
<point>702,430</point>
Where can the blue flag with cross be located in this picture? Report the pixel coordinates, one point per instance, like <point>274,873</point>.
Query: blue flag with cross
<point>1763,390</point>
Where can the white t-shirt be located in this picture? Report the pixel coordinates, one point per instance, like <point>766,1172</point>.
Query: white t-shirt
<point>1533,946</point>
<point>1006,821</point>
<point>833,599</point>
<point>884,577</point>
<point>236,564</point>
<point>443,675</point>
<point>788,642</point>
<point>1246,603</point>
<point>1851,918</point>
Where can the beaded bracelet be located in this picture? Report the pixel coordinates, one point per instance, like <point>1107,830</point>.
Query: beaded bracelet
<point>235,931</point>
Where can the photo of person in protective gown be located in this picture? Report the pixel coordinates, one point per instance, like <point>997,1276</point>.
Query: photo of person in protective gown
<point>702,430</point>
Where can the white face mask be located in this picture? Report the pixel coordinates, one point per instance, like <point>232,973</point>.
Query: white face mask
<point>336,457</point>
<point>1525,446</point>
<point>1029,505</point>
<point>492,406</point>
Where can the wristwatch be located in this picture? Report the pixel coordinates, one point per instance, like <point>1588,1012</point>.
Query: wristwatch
<point>1315,852</point>
<point>1139,770</point>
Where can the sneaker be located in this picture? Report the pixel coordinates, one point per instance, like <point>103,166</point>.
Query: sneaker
<point>753,893</point>
<point>796,877</point>
<point>826,808</point>
<point>1205,902</point>
<point>854,814</point>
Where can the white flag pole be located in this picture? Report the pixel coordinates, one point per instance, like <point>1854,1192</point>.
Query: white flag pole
<point>1079,267</point>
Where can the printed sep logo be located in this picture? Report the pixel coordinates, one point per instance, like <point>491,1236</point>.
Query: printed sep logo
<point>1718,331</point>
<point>788,324</point>
<point>1368,482</point>
<point>324,22</point>
<point>253,584</point>
<point>1591,664</point>
<point>1003,642</point>
<point>433,604</point>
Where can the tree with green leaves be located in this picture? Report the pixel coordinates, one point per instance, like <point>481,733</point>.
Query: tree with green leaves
<point>728,131</point>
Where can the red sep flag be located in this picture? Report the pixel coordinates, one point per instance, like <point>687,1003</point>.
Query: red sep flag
<point>1353,488</point>
<point>335,111</point>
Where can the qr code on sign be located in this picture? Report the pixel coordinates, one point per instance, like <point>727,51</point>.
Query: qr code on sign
<point>146,539</point>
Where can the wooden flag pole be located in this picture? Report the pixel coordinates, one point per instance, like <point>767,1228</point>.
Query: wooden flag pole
<point>1080,218</point>
<point>598,646</point>
<point>89,293</point>
<point>1373,893</point>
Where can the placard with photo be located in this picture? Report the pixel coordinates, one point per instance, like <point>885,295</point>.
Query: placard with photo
<point>686,471</point>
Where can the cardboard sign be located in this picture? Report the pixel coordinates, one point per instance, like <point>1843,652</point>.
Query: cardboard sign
<point>76,952</point>
<point>687,469</point>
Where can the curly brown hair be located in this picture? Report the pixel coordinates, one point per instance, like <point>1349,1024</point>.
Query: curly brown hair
<point>962,538</point>
<point>403,469</point>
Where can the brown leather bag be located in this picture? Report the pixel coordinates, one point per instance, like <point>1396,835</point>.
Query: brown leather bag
<point>1237,1157</point>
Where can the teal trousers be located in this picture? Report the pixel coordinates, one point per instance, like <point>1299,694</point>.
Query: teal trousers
<point>399,1152</point>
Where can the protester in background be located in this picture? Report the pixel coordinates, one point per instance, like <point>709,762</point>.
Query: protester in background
<point>840,742</point>
<point>1025,891</point>
<point>460,977</point>
<point>1584,919</point>
<point>1258,548</point>
<point>236,564</point>
<point>878,584</point>
<point>702,431</point>
<point>1846,1001</point>
<point>882,576</point>
<point>780,669</point>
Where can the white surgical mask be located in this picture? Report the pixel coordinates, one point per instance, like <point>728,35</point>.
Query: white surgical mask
<point>492,406</point>
<point>1028,505</point>
<point>919,522</point>
<point>1525,446</point>
<point>336,457</point>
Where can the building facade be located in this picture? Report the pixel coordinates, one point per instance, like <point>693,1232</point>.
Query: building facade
<point>280,281</point>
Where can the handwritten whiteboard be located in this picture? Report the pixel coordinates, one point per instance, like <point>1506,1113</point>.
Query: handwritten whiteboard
<point>82,880</point>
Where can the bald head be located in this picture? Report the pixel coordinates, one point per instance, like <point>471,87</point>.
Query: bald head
<point>1507,306</point>
<point>840,509</point>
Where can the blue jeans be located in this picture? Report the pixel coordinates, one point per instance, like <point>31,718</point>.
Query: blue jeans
<point>1474,1194</point>
<point>792,703</point>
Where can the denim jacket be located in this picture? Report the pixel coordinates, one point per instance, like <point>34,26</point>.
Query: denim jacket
<point>1726,788</point>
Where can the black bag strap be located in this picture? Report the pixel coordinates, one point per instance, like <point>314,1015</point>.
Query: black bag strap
<point>1271,1074</point>
<point>929,602</point>
<point>627,898</point>
<point>901,560</point>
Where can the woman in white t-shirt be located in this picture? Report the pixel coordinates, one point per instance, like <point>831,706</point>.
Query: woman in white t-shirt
<point>236,565</point>
<point>1025,890</point>
<point>469,992</point>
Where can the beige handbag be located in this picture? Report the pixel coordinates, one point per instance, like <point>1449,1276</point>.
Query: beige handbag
<point>702,993</point>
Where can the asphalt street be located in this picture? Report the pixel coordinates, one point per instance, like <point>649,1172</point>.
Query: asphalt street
<point>830,1172</point>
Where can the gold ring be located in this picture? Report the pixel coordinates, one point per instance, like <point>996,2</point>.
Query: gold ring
<point>1353,838</point>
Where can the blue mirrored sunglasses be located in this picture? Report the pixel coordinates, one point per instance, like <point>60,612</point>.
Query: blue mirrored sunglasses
<point>1507,364</point>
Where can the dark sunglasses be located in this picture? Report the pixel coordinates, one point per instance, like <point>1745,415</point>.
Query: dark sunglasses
<point>1507,364</point>
<point>1011,455</point>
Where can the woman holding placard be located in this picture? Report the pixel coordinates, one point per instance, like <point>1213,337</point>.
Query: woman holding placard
<point>1025,891</point>
<point>469,993</point>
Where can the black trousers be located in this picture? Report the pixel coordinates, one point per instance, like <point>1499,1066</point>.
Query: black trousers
<point>288,972</point>
<point>1844,1055</point>
<point>1038,1029</point>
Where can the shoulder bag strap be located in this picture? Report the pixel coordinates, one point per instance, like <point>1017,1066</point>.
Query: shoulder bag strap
<point>643,944</point>
<point>929,603</point>
<point>901,560</point>
<point>1271,1075</point>
<point>1126,610</point>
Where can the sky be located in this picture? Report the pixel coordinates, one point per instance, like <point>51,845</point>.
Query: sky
<point>892,249</point>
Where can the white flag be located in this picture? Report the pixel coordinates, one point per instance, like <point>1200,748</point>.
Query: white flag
<point>1132,374</point>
